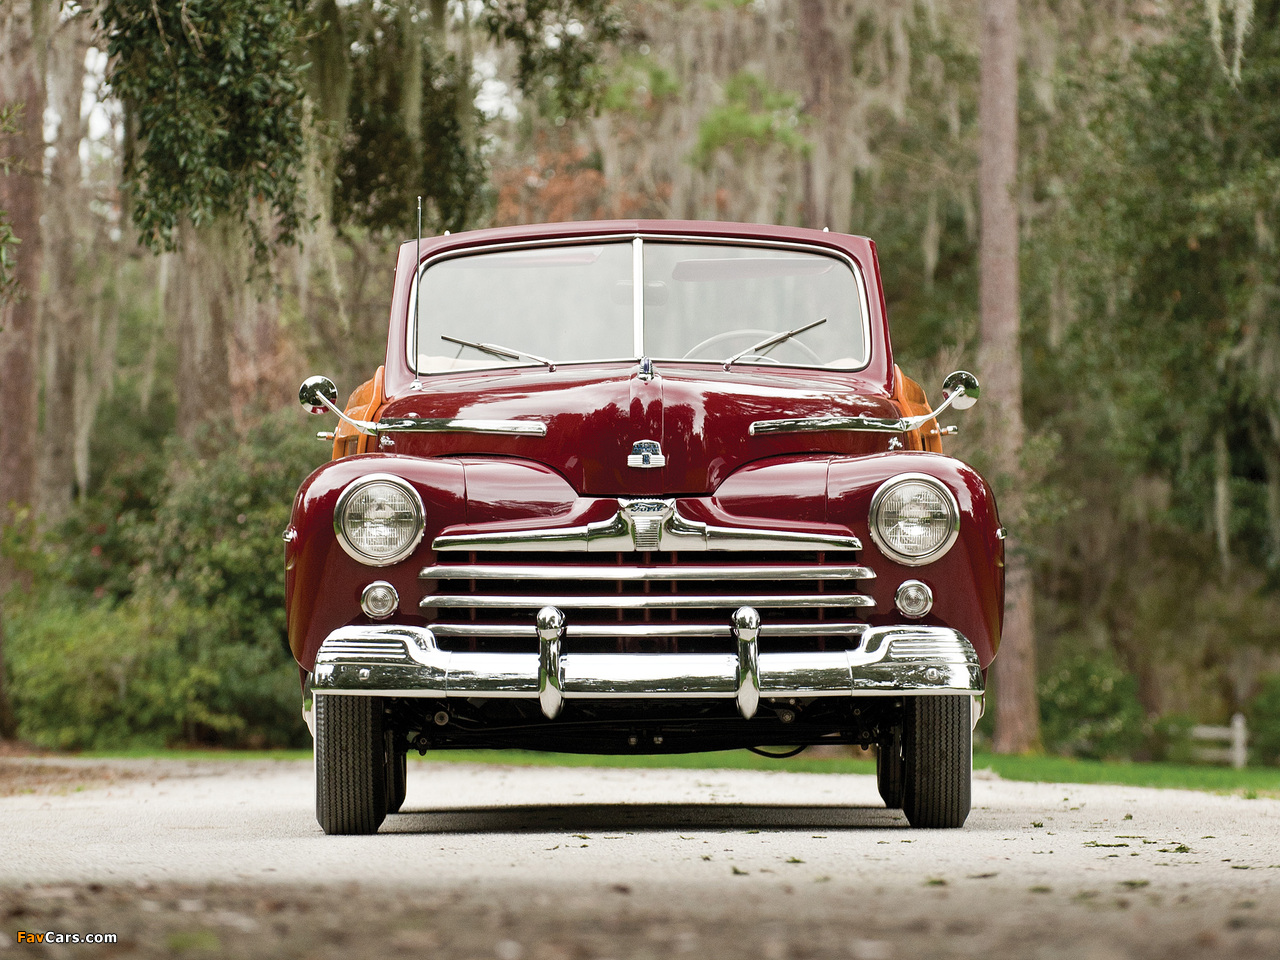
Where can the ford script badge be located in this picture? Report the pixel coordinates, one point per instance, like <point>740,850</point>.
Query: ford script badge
<point>646,454</point>
<point>647,519</point>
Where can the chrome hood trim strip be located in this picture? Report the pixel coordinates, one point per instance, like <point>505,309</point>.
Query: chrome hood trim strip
<point>871,424</point>
<point>535,428</point>
<point>820,424</point>
<point>528,428</point>
<point>649,526</point>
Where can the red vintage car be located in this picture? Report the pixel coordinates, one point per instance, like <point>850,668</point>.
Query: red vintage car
<point>641,487</point>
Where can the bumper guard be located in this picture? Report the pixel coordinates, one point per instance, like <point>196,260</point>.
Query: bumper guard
<point>404,661</point>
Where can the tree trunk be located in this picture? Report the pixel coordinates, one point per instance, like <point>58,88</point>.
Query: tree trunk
<point>8,722</point>
<point>1271,457</point>
<point>204,295</point>
<point>1222,502</point>
<point>63,336</point>
<point>21,193</point>
<point>825,70</point>
<point>412,32</point>
<point>1000,359</point>
<point>330,73</point>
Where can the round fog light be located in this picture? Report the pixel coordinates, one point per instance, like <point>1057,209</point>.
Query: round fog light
<point>379,600</point>
<point>914,599</point>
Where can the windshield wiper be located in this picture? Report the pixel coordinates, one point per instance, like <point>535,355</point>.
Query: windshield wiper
<point>772,341</point>
<point>506,353</point>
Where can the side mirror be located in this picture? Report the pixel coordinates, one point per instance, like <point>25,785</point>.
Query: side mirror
<point>315,390</point>
<point>961,385</point>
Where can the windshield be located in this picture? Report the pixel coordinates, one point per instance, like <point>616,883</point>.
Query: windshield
<point>704,302</point>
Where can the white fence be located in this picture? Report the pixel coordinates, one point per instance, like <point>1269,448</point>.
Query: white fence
<point>1233,740</point>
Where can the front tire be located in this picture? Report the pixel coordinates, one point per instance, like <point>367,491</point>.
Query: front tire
<point>937,753</point>
<point>351,764</point>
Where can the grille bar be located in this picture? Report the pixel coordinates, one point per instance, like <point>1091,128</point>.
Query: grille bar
<point>509,631</point>
<point>391,649</point>
<point>644,574</point>
<point>648,601</point>
<point>653,602</point>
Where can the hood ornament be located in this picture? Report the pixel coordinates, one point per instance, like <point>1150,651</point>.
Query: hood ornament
<point>646,455</point>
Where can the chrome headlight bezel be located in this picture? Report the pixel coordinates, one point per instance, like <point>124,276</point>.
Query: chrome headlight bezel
<point>877,505</point>
<point>339,519</point>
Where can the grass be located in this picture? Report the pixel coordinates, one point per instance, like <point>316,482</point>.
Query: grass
<point>1258,781</point>
<point>180,753</point>
<point>1250,782</point>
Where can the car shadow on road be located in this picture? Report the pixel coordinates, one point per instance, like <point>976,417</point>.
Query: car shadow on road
<point>582,818</point>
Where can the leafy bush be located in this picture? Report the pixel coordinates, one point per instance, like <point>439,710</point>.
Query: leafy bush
<point>1089,708</point>
<point>1170,739</point>
<point>90,678</point>
<point>161,623</point>
<point>214,541</point>
<point>1264,721</point>
<point>107,676</point>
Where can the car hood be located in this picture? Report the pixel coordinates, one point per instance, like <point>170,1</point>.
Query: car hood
<point>595,415</point>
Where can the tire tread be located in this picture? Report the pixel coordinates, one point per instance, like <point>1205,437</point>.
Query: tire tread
<point>350,764</point>
<point>938,753</point>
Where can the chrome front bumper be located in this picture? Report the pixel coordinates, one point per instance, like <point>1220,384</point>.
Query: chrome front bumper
<point>404,661</point>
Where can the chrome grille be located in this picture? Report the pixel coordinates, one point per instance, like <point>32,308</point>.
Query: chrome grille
<point>645,602</point>
<point>390,650</point>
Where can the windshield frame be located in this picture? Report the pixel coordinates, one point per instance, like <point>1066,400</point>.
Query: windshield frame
<point>637,240</point>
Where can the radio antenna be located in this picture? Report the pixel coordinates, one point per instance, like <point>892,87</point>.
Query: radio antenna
<point>417,298</point>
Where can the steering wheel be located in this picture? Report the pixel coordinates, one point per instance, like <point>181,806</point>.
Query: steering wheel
<point>745,332</point>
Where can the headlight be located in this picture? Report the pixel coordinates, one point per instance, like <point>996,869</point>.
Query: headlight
<point>379,520</point>
<point>914,519</point>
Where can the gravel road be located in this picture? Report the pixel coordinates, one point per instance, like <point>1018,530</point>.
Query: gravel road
<point>543,863</point>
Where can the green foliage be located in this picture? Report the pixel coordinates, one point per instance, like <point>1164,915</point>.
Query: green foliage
<point>383,165</point>
<point>1150,299</point>
<point>753,115</point>
<point>558,45</point>
<point>213,94</point>
<point>217,119</point>
<point>1170,738</point>
<point>89,677</point>
<point>382,168</point>
<point>165,622</point>
<point>212,547</point>
<point>1089,708</point>
<point>104,547</point>
<point>1264,721</point>
<point>924,189</point>
<point>109,676</point>
<point>638,84</point>
<point>214,540</point>
<point>1166,192</point>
